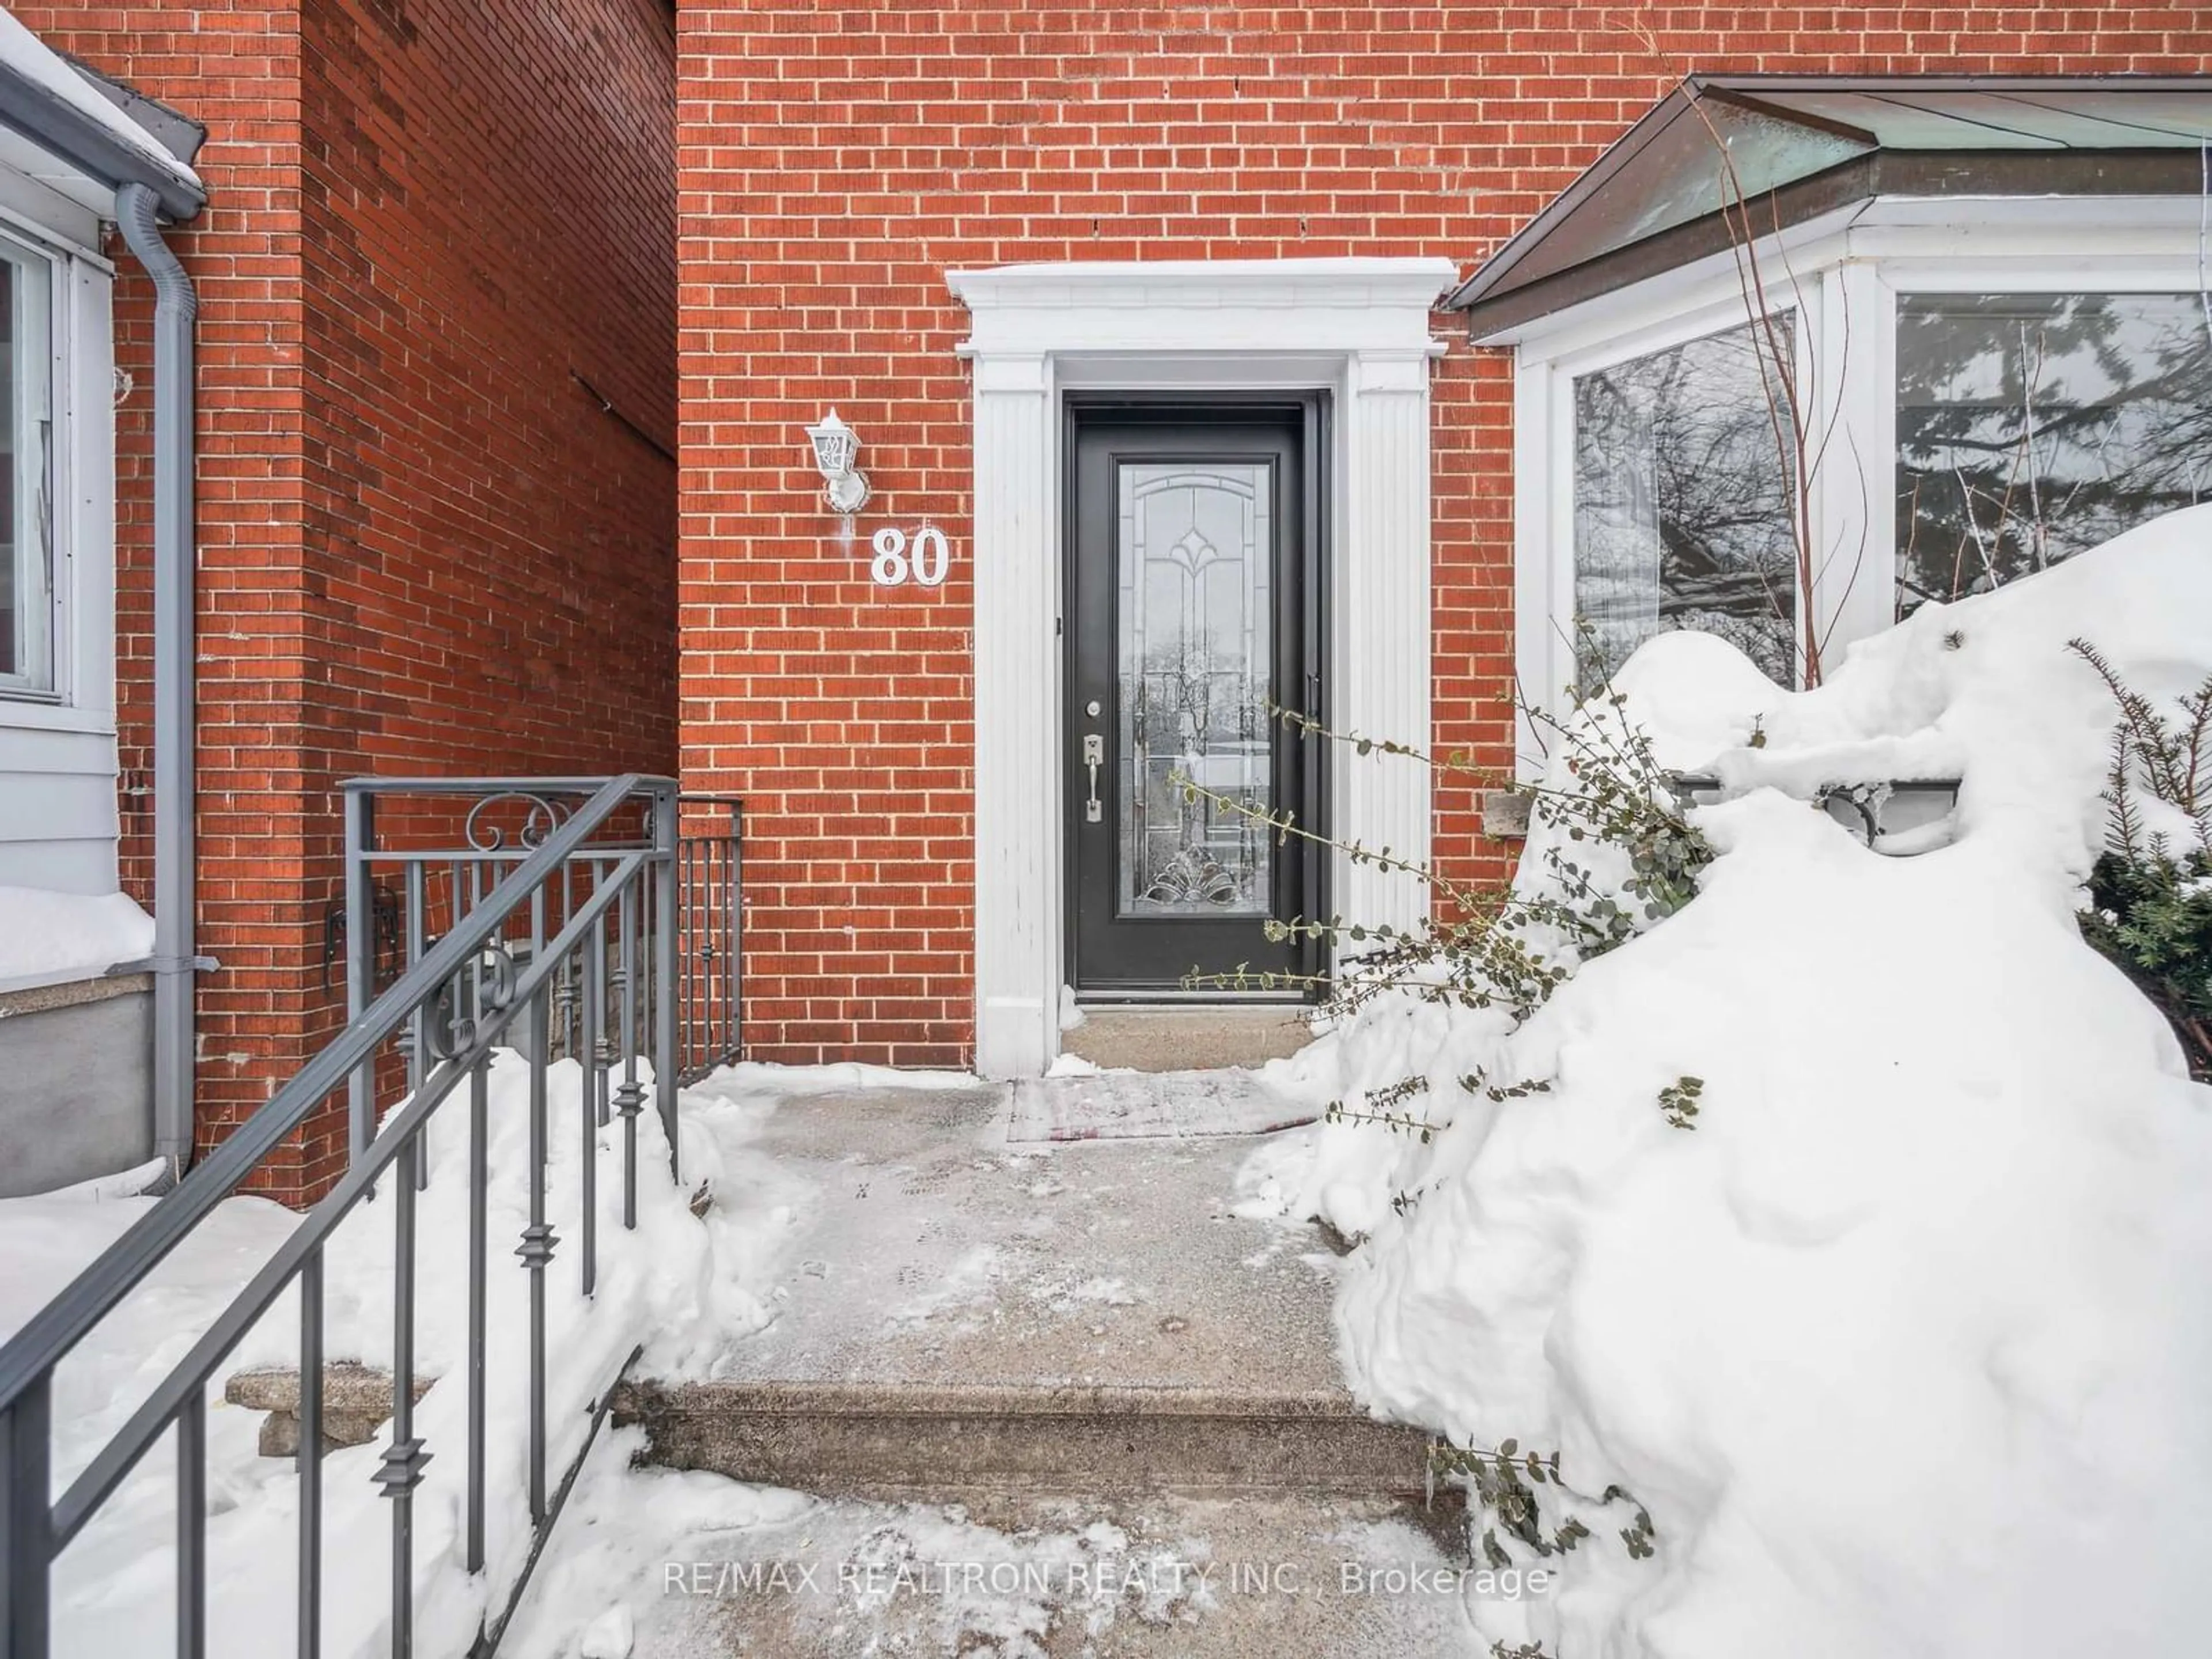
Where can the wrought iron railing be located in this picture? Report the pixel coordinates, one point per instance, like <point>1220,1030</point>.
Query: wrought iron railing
<point>549,924</point>
<point>709,866</point>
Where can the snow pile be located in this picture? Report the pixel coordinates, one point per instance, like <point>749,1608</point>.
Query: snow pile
<point>45,936</point>
<point>1903,1347</point>
<point>681,1286</point>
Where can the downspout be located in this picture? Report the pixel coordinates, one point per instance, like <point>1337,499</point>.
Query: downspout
<point>176,958</point>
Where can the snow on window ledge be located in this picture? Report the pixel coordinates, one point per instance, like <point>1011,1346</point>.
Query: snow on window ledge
<point>49,938</point>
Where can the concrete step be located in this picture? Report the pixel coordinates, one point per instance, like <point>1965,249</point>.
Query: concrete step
<point>903,1440</point>
<point>1037,1576</point>
<point>1060,1401</point>
<point>1174,1038</point>
<point>961,1313</point>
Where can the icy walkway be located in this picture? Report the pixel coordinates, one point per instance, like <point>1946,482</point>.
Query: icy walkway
<point>1065,1398</point>
<point>933,1251</point>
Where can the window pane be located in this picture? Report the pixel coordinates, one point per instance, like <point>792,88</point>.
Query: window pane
<point>26,369</point>
<point>1683,500</point>
<point>12,585</point>
<point>1193,564</point>
<point>2030,427</point>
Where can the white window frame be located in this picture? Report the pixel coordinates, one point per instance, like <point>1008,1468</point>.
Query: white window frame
<point>1549,662</point>
<point>80,692</point>
<point>45,678</point>
<point>1845,272</point>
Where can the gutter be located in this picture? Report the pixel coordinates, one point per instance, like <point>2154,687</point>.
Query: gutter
<point>175,959</point>
<point>62,129</point>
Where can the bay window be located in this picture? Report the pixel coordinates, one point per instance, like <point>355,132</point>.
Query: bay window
<point>1959,425</point>
<point>1798,356</point>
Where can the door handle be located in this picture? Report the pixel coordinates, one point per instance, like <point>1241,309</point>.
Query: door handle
<point>1094,756</point>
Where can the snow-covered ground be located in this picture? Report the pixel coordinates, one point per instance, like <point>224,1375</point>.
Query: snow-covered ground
<point>1903,1347</point>
<point>683,1285</point>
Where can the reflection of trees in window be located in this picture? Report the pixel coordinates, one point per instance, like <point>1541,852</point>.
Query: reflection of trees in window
<point>1193,701</point>
<point>1683,503</point>
<point>1195,569</point>
<point>1201,714</point>
<point>2030,427</point>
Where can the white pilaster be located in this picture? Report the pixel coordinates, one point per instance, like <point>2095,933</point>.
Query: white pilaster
<point>1017,702</point>
<point>1380,597</point>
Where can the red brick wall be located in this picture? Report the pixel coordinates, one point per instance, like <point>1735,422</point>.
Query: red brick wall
<point>236,68</point>
<point>424,546</point>
<point>488,207</point>
<point>837,158</point>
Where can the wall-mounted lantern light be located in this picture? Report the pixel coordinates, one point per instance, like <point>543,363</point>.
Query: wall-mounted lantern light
<point>836,446</point>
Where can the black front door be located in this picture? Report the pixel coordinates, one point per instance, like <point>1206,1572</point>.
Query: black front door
<point>1192,593</point>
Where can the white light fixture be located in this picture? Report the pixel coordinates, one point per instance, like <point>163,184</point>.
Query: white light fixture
<point>836,446</point>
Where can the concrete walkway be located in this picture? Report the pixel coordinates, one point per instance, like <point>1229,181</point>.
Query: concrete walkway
<point>992,1351</point>
<point>940,1253</point>
<point>1167,1578</point>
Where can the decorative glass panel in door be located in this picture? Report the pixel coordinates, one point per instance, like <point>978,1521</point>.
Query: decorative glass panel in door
<point>1194,593</point>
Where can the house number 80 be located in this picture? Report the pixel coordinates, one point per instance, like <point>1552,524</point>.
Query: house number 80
<point>932,558</point>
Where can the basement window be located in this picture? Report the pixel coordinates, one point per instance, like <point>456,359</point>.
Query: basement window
<point>28,373</point>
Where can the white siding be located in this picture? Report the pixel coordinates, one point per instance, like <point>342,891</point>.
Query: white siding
<point>58,809</point>
<point>58,761</point>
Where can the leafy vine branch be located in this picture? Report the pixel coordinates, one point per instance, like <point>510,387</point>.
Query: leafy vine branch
<point>1504,1483</point>
<point>1284,826</point>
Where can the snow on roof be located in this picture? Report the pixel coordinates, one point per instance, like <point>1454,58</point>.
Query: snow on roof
<point>32,64</point>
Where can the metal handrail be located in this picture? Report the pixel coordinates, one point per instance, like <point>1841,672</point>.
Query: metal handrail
<point>47,1337</point>
<point>33,1529</point>
<point>711,874</point>
<point>136,1436</point>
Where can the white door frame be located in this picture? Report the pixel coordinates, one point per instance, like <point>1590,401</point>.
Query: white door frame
<point>1359,328</point>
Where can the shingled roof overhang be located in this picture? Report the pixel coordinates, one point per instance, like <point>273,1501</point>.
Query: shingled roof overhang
<point>1724,152</point>
<point>61,125</point>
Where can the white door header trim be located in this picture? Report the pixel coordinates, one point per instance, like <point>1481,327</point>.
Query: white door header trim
<point>1212,305</point>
